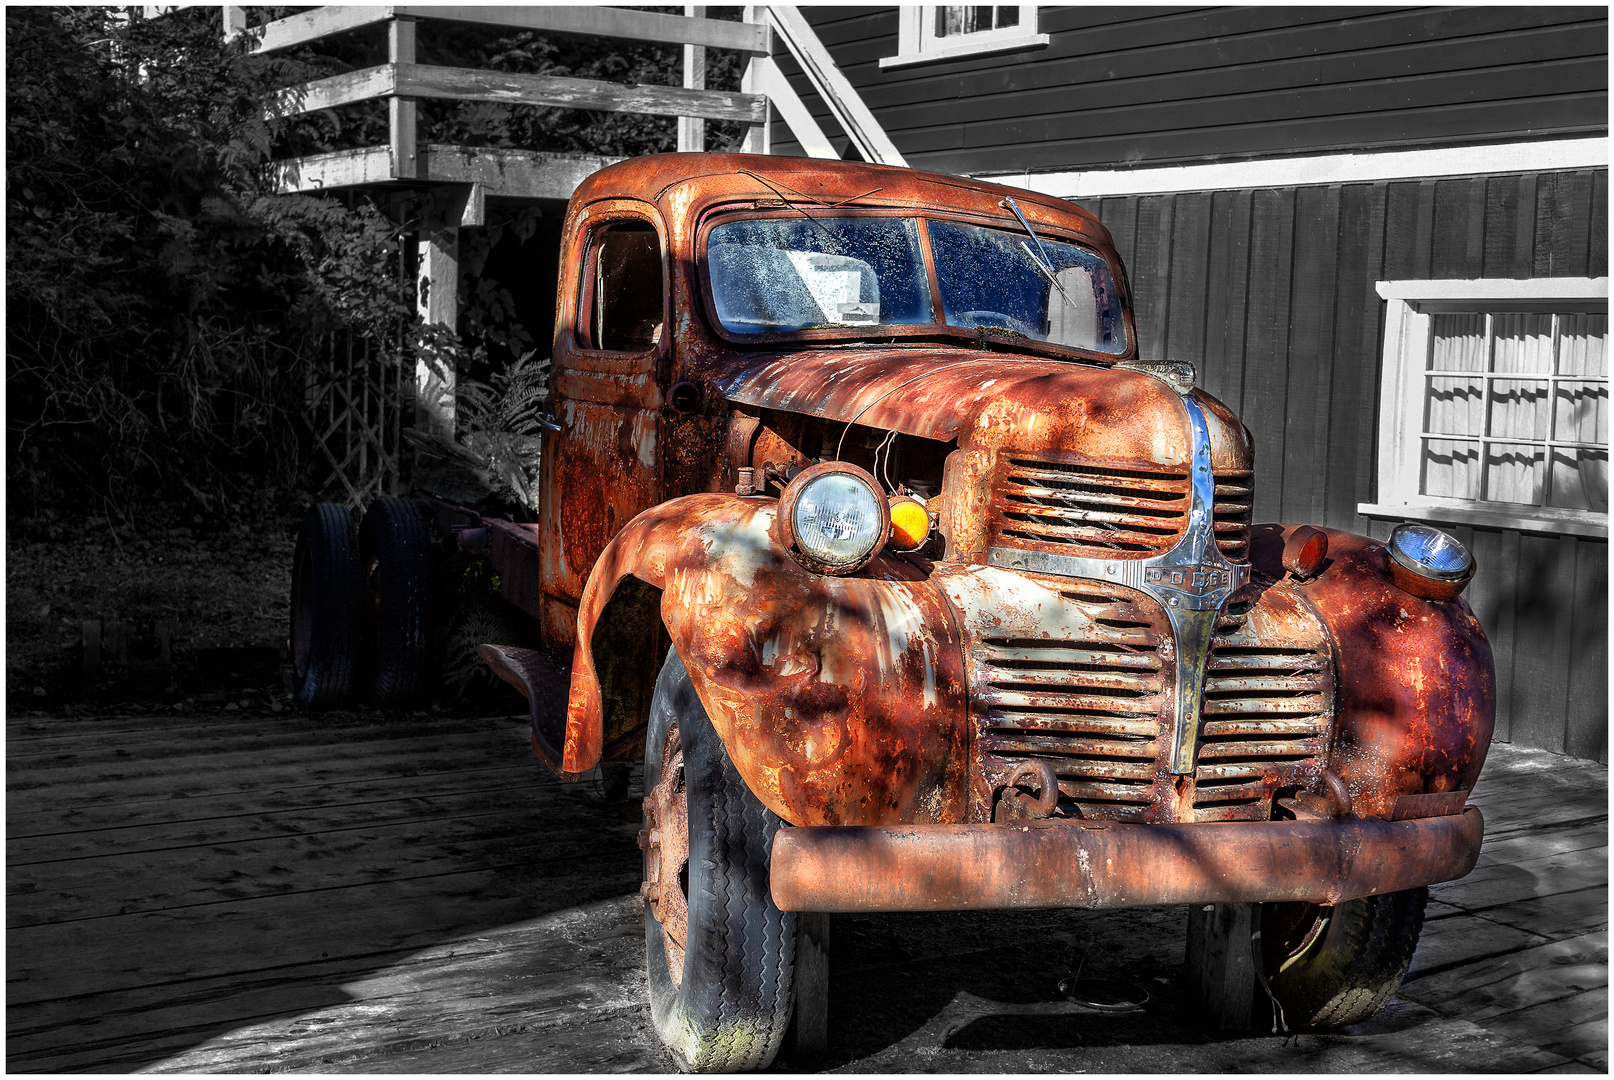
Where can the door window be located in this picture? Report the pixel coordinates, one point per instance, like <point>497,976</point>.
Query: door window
<point>622,306</point>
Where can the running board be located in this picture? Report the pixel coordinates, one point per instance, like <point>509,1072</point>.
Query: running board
<point>547,686</point>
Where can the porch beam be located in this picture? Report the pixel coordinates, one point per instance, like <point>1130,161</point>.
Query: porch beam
<point>593,21</point>
<point>552,91</point>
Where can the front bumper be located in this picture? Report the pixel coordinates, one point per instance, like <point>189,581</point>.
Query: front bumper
<point>1105,864</point>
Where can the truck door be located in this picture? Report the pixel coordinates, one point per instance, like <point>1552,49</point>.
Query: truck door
<point>611,346</point>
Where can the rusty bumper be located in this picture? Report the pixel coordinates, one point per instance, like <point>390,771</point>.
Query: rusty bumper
<point>1106,864</point>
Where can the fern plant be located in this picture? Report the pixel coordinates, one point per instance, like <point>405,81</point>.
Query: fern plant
<point>498,424</point>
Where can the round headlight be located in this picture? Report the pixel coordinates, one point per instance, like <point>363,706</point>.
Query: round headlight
<point>1429,563</point>
<point>834,515</point>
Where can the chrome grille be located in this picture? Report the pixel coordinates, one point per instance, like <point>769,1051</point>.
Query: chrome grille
<point>1088,705</point>
<point>1088,509</point>
<point>1264,722</point>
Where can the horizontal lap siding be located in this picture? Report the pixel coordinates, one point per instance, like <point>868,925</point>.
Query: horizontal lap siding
<point>1270,294</point>
<point>1154,85</point>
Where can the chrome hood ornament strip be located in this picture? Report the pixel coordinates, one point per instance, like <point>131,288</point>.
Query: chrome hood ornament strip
<point>1191,581</point>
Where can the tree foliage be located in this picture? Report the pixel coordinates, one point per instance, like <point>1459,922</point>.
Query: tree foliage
<point>161,306</point>
<point>165,310</point>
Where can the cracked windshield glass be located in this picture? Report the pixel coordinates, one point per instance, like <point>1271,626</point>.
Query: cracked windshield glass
<point>779,275</point>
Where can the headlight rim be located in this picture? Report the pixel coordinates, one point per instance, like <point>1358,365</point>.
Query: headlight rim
<point>784,523</point>
<point>1419,578</point>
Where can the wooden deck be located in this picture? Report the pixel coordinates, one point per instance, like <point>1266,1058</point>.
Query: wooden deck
<point>247,891</point>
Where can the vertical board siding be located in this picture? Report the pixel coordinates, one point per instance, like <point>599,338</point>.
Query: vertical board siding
<point>1270,294</point>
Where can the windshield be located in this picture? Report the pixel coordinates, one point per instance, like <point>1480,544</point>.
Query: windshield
<point>991,278</point>
<point>780,275</point>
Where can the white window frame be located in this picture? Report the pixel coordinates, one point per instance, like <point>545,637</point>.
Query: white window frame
<point>917,42</point>
<point>1407,340</point>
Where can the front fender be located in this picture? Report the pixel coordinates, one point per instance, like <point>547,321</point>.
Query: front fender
<point>1416,690</point>
<point>841,700</point>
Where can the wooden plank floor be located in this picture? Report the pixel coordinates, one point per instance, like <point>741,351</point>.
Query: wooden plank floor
<point>251,892</point>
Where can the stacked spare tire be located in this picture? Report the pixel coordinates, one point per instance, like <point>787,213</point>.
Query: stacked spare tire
<point>363,606</point>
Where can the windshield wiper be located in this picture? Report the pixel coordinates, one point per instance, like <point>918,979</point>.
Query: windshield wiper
<point>1039,258</point>
<point>787,201</point>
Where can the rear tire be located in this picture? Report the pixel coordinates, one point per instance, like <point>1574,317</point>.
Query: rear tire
<point>1346,971</point>
<point>395,549</point>
<point>729,1003</point>
<point>325,609</point>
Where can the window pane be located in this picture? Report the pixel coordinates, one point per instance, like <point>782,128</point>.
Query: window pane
<point>782,274</point>
<point>1451,468</point>
<point>1580,412</point>
<point>1459,342</point>
<point>952,21</point>
<point>627,310</point>
<point>1515,473</point>
<point>1523,343</point>
<point>990,278</point>
<point>1580,479</point>
<point>1519,409</point>
<point>1583,344</point>
<point>1455,406</point>
<point>1008,16</point>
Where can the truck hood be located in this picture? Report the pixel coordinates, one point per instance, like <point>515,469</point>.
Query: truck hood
<point>987,402</point>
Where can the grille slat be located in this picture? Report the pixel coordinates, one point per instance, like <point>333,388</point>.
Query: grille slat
<point>1230,514</point>
<point>1266,726</point>
<point>1103,705</point>
<point>1310,705</point>
<point>1060,746</point>
<point>1072,724</point>
<point>1092,795</point>
<point>999,655</point>
<point>1166,508</point>
<point>1295,748</point>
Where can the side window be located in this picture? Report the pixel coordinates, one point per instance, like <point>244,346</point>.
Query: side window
<point>622,292</point>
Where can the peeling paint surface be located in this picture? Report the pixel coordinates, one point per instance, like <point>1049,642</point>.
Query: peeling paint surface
<point>839,699</point>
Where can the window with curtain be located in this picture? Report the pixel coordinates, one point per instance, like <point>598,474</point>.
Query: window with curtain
<point>932,32</point>
<point>1495,407</point>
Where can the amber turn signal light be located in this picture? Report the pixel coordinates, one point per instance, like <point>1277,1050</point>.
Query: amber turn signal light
<point>910,523</point>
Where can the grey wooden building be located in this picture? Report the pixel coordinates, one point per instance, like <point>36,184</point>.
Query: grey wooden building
<point>1381,234</point>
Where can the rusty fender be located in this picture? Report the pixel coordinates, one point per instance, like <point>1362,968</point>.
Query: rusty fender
<point>841,700</point>
<point>1416,687</point>
<point>1108,864</point>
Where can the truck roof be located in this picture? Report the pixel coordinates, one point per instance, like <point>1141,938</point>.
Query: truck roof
<point>699,180</point>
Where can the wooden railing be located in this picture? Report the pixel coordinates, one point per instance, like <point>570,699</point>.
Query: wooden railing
<point>402,80</point>
<point>464,177</point>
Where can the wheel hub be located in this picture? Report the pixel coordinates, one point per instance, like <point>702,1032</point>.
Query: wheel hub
<point>667,855</point>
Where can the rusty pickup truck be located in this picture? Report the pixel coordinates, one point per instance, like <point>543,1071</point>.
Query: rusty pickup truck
<point>917,588</point>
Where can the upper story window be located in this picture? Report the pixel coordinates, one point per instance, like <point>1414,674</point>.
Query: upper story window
<point>1495,404</point>
<point>929,32</point>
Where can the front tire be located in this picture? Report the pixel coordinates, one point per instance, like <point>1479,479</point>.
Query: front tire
<point>721,998</point>
<point>1333,974</point>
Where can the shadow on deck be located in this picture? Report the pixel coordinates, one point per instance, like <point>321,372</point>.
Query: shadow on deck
<point>242,892</point>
